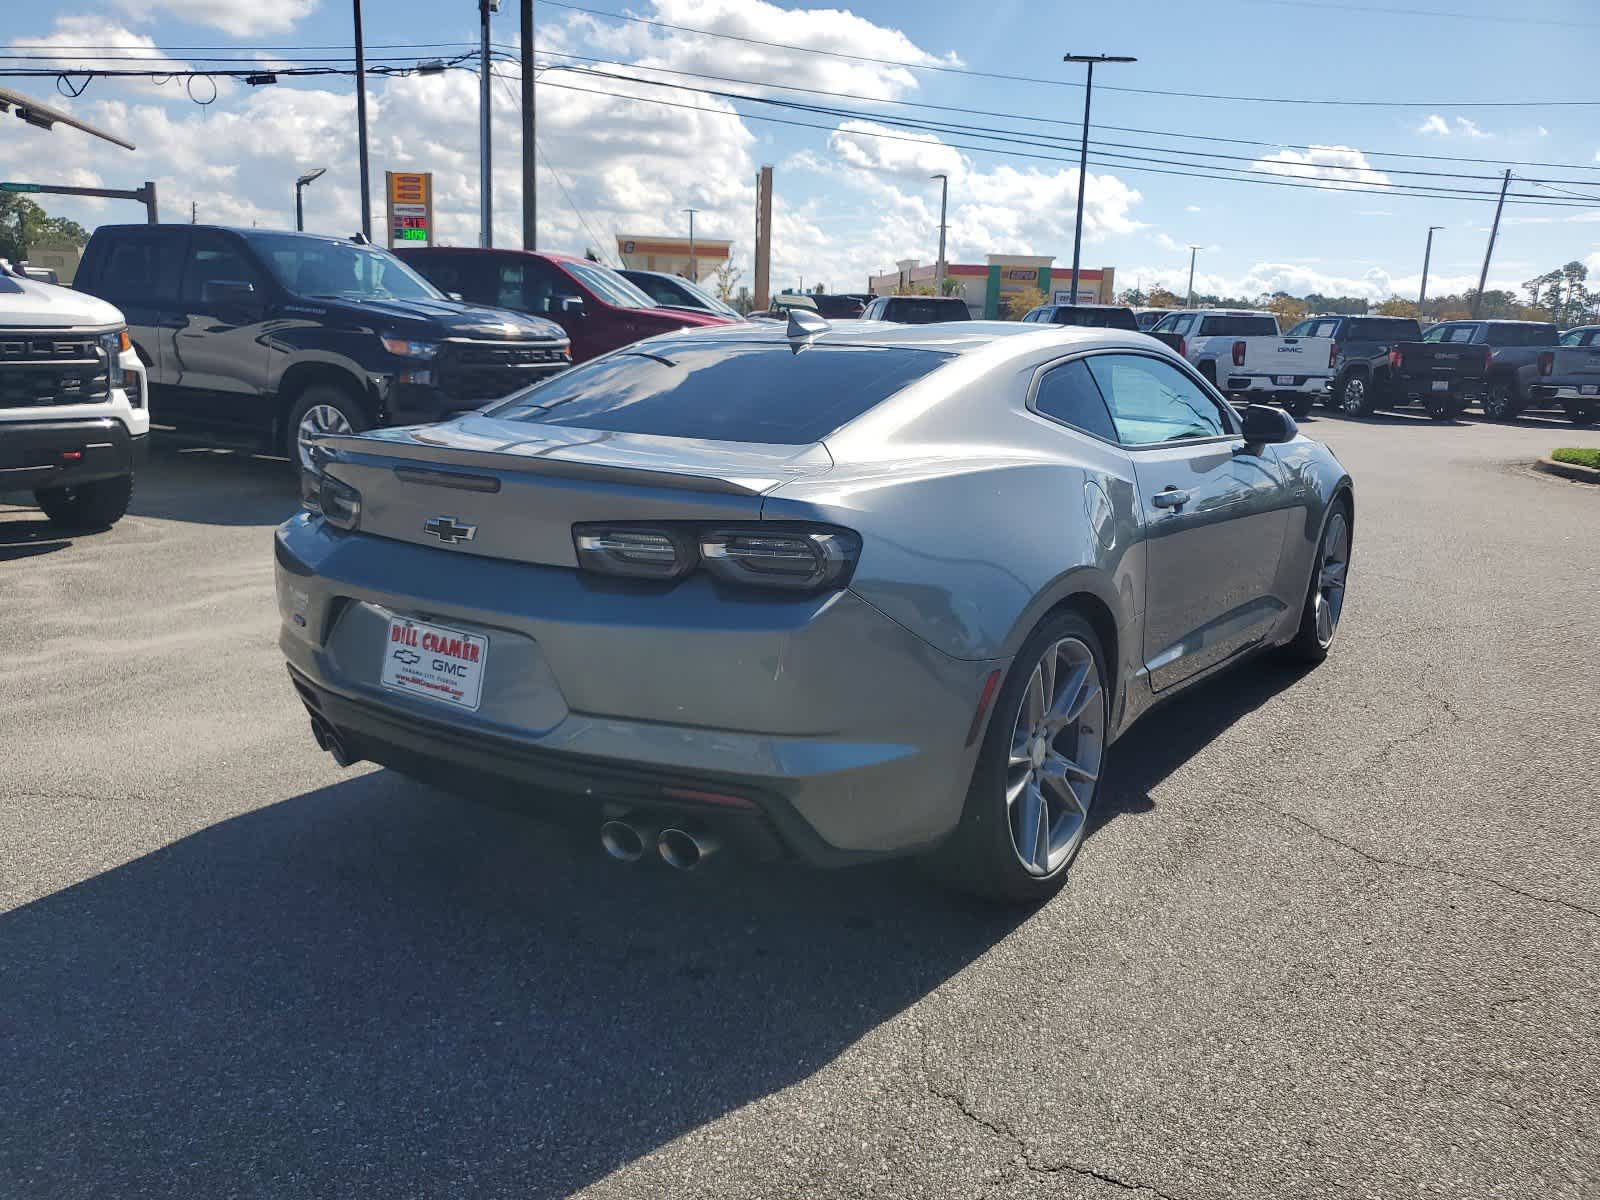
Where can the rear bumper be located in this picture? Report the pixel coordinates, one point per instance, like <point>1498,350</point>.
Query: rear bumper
<point>1563,392</point>
<point>1309,384</point>
<point>65,453</point>
<point>842,732</point>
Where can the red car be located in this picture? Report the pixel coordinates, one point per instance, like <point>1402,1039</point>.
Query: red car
<point>599,309</point>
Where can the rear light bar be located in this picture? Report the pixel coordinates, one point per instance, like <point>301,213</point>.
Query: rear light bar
<point>1238,354</point>
<point>1547,362</point>
<point>770,554</point>
<point>1333,354</point>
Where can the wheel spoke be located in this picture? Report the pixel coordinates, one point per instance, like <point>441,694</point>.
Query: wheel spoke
<point>1029,824</point>
<point>1015,789</point>
<point>1066,698</point>
<point>1059,766</point>
<point>1019,747</point>
<point>1034,706</point>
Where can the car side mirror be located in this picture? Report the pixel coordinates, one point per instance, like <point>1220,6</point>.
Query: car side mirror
<point>572,306</point>
<point>457,297</point>
<point>227,291</point>
<point>1266,425</point>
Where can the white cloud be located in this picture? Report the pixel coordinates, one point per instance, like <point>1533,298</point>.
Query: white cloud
<point>242,18</point>
<point>894,153</point>
<point>1192,208</point>
<point>1434,124</point>
<point>1470,129</point>
<point>1373,212</point>
<point>1299,279</point>
<point>1341,165</point>
<point>1543,132</point>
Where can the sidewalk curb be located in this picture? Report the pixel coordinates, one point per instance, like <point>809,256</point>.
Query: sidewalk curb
<point>1567,470</point>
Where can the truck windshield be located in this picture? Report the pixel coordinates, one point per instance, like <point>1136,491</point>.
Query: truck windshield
<point>317,267</point>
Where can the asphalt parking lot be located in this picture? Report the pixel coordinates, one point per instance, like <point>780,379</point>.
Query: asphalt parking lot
<point>1336,934</point>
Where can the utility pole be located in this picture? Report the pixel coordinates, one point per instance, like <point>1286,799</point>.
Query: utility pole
<point>1494,231</point>
<point>694,272</point>
<point>763,281</point>
<point>194,212</point>
<point>1089,61</point>
<point>1427,254</point>
<point>361,128</point>
<point>530,148</point>
<point>485,164</point>
<point>944,201</point>
<point>1192,251</point>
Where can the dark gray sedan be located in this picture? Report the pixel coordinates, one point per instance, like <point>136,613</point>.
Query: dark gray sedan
<point>835,592</point>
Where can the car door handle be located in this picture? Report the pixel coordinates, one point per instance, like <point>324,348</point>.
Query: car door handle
<point>1172,497</point>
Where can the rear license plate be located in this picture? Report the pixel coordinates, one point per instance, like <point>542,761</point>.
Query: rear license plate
<point>1284,379</point>
<point>1589,389</point>
<point>1441,385</point>
<point>435,662</point>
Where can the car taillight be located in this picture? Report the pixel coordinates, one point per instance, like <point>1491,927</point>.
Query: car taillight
<point>1238,354</point>
<point>338,503</point>
<point>1397,359</point>
<point>1183,347</point>
<point>1333,354</point>
<point>1547,362</point>
<point>774,554</point>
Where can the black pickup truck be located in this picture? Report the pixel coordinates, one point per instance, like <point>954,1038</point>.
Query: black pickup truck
<point>268,337</point>
<point>1512,364</point>
<point>1364,378</point>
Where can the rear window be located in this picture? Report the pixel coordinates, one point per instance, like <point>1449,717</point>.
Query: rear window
<point>1245,326</point>
<point>927,312</point>
<point>1384,329</point>
<point>1522,335</point>
<point>1097,318</point>
<point>727,392</point>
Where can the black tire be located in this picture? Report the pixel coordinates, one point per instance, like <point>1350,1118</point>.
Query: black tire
<point>97,505</point>
<point>980,857</point>
<point>1298,404</point>
<point>324,396</point>
<point>1580,414</point>
<point>1308,645</point>
<point>1353,396</point>
<point>1500,402</point>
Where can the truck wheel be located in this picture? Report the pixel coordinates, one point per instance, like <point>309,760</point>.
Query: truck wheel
<point>1353,397</point>
<point>1500,402</point>
<point>1580,414</point>
<point>97,505</point>
<point>1298,404</point>
<point>321,408</point>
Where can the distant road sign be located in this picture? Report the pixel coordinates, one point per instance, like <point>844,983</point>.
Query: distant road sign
<point>20,187</point>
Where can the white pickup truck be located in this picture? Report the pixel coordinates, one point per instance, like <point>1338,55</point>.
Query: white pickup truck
<point>74,409</point>
<point>1244,353</point>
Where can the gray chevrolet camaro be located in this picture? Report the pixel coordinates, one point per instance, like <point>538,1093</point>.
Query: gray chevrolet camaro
<point>837,592</point>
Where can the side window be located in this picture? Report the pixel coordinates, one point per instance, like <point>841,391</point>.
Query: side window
<point>142,267</point>
<point>1588,338</point>
<point>215,258</point>
<point>546,288</point>
<point>1068,394</point>
<point>1464,333</point>
<point>447,272</point>
<point>1164,325</point>
<point>509,291</point>
<point>1152,402</point>
<point>1183,325</point>
<point>1438,333</point>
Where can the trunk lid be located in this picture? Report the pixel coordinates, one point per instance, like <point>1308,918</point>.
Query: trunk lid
<point>1440,360</point>
<point>1575,366</point>
<point>521,487</point>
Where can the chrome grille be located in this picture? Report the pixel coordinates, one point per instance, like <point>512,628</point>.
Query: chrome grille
<point>40,368</point>
<point>478,371</point>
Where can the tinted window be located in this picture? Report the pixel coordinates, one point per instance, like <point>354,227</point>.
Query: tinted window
<point>1165,325</point>
<point>1315,327</point>
<point>215,258</point>
<point>1243,326</point>
<point>142,266</point>
<point>736,392</point>
<point>1096,318</point>
<point>546,288</point>
<point>1152,402</point>
<point>1068,393</point>
<point>1461,333</point>
<point>1573,337</point>
<point>658,289</point>
<point>1522,335</point>
<point>839,307</point>
<point>912,310</point>
<point>1437,333</point>
<point>1384,329</point>
<point>328,269</point>
<point>466,275</point>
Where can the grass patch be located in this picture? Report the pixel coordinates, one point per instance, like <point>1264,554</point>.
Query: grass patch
<point>1580,456</point>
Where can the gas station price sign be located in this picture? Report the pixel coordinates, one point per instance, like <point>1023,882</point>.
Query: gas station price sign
<point>410,208</point>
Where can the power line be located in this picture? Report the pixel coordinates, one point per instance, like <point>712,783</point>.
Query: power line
<point>1323,6</point>
<point>910,66</point>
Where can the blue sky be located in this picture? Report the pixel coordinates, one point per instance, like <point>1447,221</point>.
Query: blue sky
<point>850,203</point>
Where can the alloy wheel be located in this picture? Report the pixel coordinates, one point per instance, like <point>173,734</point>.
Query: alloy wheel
<point>1056,747</point>
<point>1332,567</point>
<point>1354,400</point>
<point>319,419</point>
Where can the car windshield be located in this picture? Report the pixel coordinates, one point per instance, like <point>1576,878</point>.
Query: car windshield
<point>308,266</point>
<point>724,391</point>
<point>608,285</point>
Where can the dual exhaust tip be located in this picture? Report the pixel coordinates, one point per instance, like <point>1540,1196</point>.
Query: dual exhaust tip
<point>628,840</point>
<point>328,739</point>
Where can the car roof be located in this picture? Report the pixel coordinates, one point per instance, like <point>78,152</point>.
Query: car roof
<point>951,337</point>
<point>1227,312</point>
<point>241,230</point>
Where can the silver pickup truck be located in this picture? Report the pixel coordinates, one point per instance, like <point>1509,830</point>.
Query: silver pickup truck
<point>1569,375</point>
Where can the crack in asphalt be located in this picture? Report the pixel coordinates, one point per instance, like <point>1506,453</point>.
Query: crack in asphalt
<point>1386,751</point>
<point>1470,877</point>
<point>1024,1155</point>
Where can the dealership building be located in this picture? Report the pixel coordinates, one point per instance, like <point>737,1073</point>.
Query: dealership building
<point>671,255</point>
<point>986,286</point>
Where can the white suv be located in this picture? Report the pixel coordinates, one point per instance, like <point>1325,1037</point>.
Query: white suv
<point>74,407</point>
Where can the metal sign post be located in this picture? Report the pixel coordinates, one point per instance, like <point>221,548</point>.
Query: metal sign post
<point>410,208</point>
<point>145,195</point>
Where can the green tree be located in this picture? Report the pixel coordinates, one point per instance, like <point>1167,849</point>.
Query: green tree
<point>23,224</point>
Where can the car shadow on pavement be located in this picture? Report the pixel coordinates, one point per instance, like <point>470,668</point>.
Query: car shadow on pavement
<point>184,482</point>
<point>26,532</point>
<point>376,989</point>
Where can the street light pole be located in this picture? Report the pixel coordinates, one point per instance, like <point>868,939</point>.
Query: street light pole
<point>530,182</point>
<point>361,128</point>
<point>944,201</point>
<point>1192,251</point>
<point>1089,61</point>
<point>1427,254</point>
<point>485,164</point>
<point>299,187</point>
<point>694,272</point>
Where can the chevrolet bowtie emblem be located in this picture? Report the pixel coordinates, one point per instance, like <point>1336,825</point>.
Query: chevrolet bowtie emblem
<point>450,531</point>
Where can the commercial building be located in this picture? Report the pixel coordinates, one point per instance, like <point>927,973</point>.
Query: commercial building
<point>986,286</point>
<point>671,255</point>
